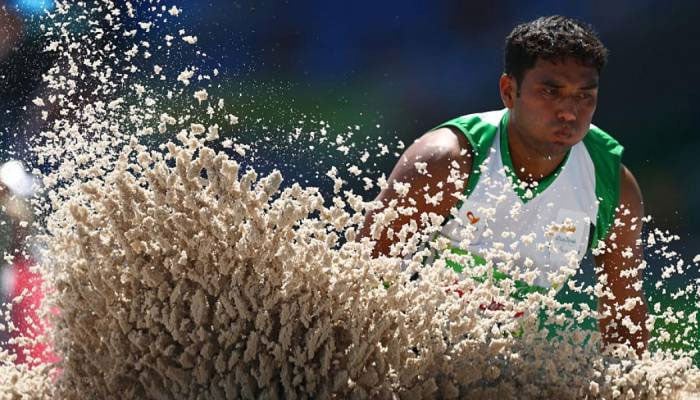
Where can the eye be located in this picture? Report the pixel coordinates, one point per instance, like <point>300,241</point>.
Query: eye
<point>549,91</point>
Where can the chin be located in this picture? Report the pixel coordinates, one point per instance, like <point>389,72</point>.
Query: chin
<point>565,142</point>
<point>558,149</point>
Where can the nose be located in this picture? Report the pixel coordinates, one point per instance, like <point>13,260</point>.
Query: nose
<point>567,110</point>
<point>566,116</point>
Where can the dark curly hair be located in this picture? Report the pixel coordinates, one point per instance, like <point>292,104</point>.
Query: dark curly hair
<point>552,38</point>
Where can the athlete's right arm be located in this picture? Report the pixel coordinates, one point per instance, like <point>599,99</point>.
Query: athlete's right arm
<point>445,151</point>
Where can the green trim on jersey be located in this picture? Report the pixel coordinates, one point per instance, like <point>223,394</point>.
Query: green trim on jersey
<point>604,150</point>
<point>606,154</point>
<point>522,288</point>
<point>480,135</point>
<point>520,189</point>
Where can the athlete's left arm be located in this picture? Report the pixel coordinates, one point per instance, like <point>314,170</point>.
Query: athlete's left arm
<point>623,305</point>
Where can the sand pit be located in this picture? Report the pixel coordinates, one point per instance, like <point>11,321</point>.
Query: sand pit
<point>175,286</point>
<point>172,273</point>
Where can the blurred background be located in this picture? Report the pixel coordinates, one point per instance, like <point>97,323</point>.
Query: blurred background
<point>390,70</point>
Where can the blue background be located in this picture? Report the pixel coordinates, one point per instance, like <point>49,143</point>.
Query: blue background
<point>397,68</point>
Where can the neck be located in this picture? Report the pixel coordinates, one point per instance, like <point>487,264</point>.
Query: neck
<point>530,164</point>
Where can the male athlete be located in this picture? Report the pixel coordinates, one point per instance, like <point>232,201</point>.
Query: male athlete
<point>544,170</point>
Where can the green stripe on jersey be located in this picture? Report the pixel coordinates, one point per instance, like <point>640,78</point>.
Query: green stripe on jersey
<point>604,150</point>
<point>606,154</point>
<point>480,135</point>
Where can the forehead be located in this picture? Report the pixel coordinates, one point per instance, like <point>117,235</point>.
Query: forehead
<point>565,71</point>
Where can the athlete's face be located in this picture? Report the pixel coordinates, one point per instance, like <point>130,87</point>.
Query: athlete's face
<point>552,108</point>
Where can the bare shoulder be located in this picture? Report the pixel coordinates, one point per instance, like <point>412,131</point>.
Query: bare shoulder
<point>444,142</point>
<point>432,163</point>
<point>439,148</point>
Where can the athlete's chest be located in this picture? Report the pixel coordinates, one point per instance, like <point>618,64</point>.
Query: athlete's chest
<point>550,228</point>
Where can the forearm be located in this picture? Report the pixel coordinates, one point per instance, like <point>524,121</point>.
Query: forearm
<point>622,304</point>
<point>624,321</point>
<point>382,244</point>
<point>391,227</point>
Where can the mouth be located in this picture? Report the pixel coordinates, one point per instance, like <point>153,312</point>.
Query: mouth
<point>563,136</point>
<point>564,133</point>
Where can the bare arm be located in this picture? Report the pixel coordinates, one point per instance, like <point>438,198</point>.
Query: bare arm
<point>442,150</point>
<point>624,253</point>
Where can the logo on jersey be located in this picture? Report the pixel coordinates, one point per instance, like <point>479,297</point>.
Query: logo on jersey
<point>568,227</point>
<point>473,219</point>
<point>568,237</point>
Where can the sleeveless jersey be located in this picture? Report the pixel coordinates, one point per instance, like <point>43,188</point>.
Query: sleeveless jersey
<point>546,227</point>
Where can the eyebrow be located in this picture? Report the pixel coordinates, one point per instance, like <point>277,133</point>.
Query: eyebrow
<point>551,83</point>
<point>554,84</point>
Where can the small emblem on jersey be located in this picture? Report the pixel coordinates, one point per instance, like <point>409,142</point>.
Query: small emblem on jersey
<point>473,219</point>
<point>567,236</point>
<point>469,224</point>
<point>567,227</point>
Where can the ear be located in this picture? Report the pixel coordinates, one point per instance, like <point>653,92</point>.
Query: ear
<point>508,88</point>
